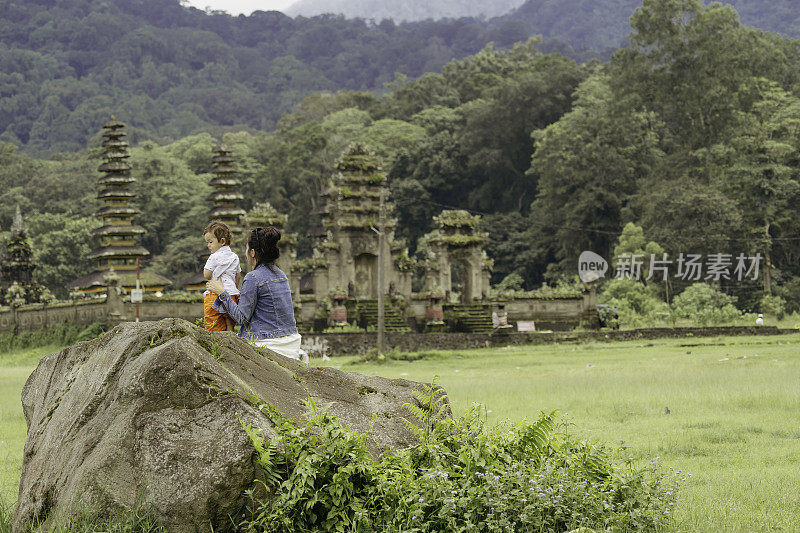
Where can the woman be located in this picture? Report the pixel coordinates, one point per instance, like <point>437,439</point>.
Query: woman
<point>265,313</point>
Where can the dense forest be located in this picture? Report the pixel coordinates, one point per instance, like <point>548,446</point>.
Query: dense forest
<point>689,139</point>
<point>171,71</point>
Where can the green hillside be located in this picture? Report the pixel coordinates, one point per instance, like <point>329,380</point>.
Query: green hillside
<point>170,71</point>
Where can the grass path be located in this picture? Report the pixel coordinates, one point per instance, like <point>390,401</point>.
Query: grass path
<point>733,422</point>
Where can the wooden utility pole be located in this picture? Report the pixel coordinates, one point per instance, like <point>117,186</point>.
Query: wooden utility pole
<point>381,282</point>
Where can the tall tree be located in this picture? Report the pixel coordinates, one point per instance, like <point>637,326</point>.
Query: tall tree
<point>590,165</point>
<point>688,63</point>
<point>764,177</point>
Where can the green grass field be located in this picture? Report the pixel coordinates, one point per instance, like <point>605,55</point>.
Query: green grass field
<point>733,421</point>
<point>14,370</point>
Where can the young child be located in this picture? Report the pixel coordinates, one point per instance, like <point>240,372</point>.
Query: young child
<point>222,264</point>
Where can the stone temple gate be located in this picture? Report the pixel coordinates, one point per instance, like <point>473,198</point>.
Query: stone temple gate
<point>346,256</point>
<point>455,250</point>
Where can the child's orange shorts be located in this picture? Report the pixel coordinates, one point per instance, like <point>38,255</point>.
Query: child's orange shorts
<point>212,319</point>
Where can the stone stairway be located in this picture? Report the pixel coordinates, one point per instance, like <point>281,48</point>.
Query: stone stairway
<point>470,318</point>
<point>368,316</point>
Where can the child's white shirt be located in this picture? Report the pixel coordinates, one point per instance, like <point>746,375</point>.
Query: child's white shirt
<point>224,265</point>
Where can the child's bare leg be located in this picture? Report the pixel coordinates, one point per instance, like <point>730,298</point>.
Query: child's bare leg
<point>229,323</point>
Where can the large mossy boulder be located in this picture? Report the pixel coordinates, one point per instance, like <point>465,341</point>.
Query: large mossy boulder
<point>150,414</point>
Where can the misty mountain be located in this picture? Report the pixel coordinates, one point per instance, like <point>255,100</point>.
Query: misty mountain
<point>405,10</point>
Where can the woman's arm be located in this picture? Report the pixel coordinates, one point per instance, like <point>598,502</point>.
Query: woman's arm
<point>248,295</point>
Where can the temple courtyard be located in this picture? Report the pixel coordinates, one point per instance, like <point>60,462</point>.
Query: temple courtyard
<point>720,412</point>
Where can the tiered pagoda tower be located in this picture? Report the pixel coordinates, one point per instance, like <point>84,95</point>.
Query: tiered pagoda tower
<point>224,208</point>
<point>117,235</point>
<point>226,194</point>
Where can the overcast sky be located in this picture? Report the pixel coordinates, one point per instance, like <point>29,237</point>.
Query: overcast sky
<point>235,7</point>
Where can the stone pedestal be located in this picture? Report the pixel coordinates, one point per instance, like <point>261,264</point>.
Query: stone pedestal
<point>338,315</point>
<point>434,314</point>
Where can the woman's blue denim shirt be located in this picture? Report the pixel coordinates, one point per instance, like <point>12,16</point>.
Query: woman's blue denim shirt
<point>265,309</point>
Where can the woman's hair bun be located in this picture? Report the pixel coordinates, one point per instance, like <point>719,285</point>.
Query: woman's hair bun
<point>272,234</point>
<point>264,241</point>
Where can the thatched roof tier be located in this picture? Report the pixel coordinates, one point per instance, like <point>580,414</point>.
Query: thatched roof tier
<point>119,251</point>
<point>116,193</point>
<point>193,282</point>
<point>117,229</point>
<point>113,124</point>
<point>114,153</point>
<point>116,179</point>
<point>224,196</point>
<point>114,166</point>
<point>115,143</point>
<point>225,182</point>
<point>224,169</point>
<point>117,211</point>
<point>218,212</point>
<point>127,279</point>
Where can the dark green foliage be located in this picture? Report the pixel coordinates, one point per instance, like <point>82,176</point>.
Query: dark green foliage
<point>60,244</point>
<point>589,165</point>
<point>171,71</point>
<point>461,476</point>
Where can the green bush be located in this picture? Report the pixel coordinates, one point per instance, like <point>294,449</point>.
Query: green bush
<point>705,305</point>
<point>772,305</point>
<point>638,304</point>
<point>460,476</point>
<point>512,282</point>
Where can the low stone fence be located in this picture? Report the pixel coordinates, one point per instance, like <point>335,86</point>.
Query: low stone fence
<point>85,312</point>
<point>360,343</point>
<point>113,310</point>
<point>41,316</point>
